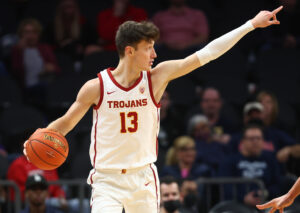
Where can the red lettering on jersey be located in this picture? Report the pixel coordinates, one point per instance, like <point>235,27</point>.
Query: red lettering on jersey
<point>109,103</point>
<point>144,102</point>
<point>138,103</point>
<point>116,104</point>
<point>127,104</point>
<point>132,104</point>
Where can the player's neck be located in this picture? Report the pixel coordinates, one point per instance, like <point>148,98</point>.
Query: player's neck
<point>126,74</point>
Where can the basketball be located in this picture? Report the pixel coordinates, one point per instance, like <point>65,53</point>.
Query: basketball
<point>47,149</point>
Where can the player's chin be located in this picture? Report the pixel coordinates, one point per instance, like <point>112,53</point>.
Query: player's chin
<point>149,67</point>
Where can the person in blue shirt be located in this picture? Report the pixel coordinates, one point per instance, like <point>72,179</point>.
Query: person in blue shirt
<point>275,140</point>
<point>252,162</point>
<point>36,194</point>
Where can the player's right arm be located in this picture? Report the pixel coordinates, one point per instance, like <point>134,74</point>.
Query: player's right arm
<point>284,201</point>
<point>88,95</point>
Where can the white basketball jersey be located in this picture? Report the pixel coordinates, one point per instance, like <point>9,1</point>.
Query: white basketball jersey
<point>125,124</point>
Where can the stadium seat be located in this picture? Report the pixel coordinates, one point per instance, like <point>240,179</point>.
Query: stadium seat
<point>227,74</point>
<point>10,92</point>
<point>17,123</point>
<point>61,93</point>
<point>278,71</point>
<point>80,164</point>
<point>96,62</point>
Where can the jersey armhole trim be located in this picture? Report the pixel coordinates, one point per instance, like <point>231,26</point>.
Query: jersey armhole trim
<point>101,92</point>
<point>151,91</point>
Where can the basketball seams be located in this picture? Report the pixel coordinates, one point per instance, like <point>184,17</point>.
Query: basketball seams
<point>40,157</point>
<point>49,147</point>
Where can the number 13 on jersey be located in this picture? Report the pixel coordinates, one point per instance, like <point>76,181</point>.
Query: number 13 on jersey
<point>133,118</point>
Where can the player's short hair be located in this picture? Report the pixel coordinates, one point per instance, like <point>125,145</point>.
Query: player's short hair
<point>169,180</point>
<point>29,21</point>
<point>130,33</point>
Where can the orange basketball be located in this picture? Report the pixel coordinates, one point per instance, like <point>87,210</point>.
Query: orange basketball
<point>47,149</point>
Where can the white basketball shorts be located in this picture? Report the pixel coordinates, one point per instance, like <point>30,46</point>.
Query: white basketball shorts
<point>135,190</point>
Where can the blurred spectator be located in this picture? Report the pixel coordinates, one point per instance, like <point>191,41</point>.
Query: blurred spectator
<point>20,169</point>
<point>110,19</point>
<point>70,32</point>
<point>171,201</point>
<point>207,148</point>
<point>33,63</point>
<point>170,128</point>
<point>189,193</point>
<point>252,162</point>
<point>181,160</point>
<point>271,111</point>
<point>270,107</point>
<point>36,193</point>
<point>288,34</point>
<point>182,27</point>
<point>211,106</point>
<point>275,140</point>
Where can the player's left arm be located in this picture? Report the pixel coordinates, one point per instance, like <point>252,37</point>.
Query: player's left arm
<point>169,70</point>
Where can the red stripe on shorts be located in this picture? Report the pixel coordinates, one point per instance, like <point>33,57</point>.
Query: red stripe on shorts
<point>155,187</point>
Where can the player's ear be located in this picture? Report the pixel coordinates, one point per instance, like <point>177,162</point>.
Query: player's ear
<point>129,50</point>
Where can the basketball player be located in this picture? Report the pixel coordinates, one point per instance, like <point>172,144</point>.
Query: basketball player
<point>284,201</point>
<point>126,114</point>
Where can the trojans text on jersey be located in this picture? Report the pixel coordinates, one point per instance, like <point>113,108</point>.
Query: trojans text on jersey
<point>127,104</point>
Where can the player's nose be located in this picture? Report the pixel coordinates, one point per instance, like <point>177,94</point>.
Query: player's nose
<point>153,55</point>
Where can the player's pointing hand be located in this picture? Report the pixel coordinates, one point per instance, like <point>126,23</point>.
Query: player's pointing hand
<point>277,204</point>
<point>266,18</point>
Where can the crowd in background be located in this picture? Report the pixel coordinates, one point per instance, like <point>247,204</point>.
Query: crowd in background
<point>220,121</point>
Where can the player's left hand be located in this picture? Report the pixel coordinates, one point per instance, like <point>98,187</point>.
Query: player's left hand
<point>24,149</point>
<point>266,18</point>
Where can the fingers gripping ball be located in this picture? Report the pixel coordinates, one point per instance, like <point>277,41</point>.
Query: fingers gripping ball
<point>47,149</point>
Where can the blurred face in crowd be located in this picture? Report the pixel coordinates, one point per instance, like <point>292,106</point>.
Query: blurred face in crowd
<point>68,7</point>
<point>211,102</point>
<point>252,142</point>
<point>253,115</point>
<point>37,196</point>
<point>186,154</point>
<point>268,104</point>
<point>202,131</point>
<point>30,34</point>
<point>169,192</point>
<point>188,186</point>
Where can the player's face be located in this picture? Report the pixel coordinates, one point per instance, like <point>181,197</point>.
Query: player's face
<point>169,192</point>
<point>144,55</point>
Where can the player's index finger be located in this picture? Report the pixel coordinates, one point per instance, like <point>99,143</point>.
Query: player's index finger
<point>264,206</point>
<point>277,10</point>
